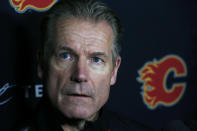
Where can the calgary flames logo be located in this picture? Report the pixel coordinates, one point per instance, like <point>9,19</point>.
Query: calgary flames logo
<point>154,77</point>
<point>40,5</point>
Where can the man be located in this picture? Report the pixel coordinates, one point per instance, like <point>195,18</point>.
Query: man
<point>78,62</point>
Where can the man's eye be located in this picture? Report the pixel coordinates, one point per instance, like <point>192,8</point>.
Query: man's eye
<point>65,56</point>
<point>97,60</point>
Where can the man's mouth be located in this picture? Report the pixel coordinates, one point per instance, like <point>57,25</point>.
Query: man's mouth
<point>78,95</point>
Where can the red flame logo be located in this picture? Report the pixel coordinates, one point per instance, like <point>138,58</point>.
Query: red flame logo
<point>154,77</point>
<point>40,5</point>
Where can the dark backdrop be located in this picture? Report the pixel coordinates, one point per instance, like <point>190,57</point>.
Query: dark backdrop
<point>153,29</point>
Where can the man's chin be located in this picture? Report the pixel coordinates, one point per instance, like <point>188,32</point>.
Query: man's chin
<point>79,113</point>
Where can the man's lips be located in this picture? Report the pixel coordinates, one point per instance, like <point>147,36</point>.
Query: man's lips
<point>78,95</point>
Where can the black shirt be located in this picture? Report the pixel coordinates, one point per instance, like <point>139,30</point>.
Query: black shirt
<point>180,125</point>
<point>45,120</point>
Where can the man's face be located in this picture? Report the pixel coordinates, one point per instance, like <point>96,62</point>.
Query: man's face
<point>80,70</point>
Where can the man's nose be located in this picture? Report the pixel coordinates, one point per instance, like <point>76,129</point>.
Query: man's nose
<point>80,71</point>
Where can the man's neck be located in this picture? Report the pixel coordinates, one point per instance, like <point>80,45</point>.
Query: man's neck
<point>77,124</point>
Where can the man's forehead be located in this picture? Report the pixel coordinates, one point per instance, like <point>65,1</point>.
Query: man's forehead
<point>90,38</point>
<point>77,32</point>
<point>86,28</point>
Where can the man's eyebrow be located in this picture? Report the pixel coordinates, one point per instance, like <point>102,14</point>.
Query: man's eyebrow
<point>103,54</point>
<point>65,48</point>
<point>98,53</point>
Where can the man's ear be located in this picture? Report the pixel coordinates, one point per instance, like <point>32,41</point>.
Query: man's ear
<point>39,71</point>
<point>39,65</point>
<point>115,71</point>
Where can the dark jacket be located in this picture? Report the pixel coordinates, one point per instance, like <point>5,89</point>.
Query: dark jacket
<point>180,125</point>
<point>45,120</point>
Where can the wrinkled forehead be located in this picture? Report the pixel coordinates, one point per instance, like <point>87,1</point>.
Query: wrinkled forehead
<point>75,31</point>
